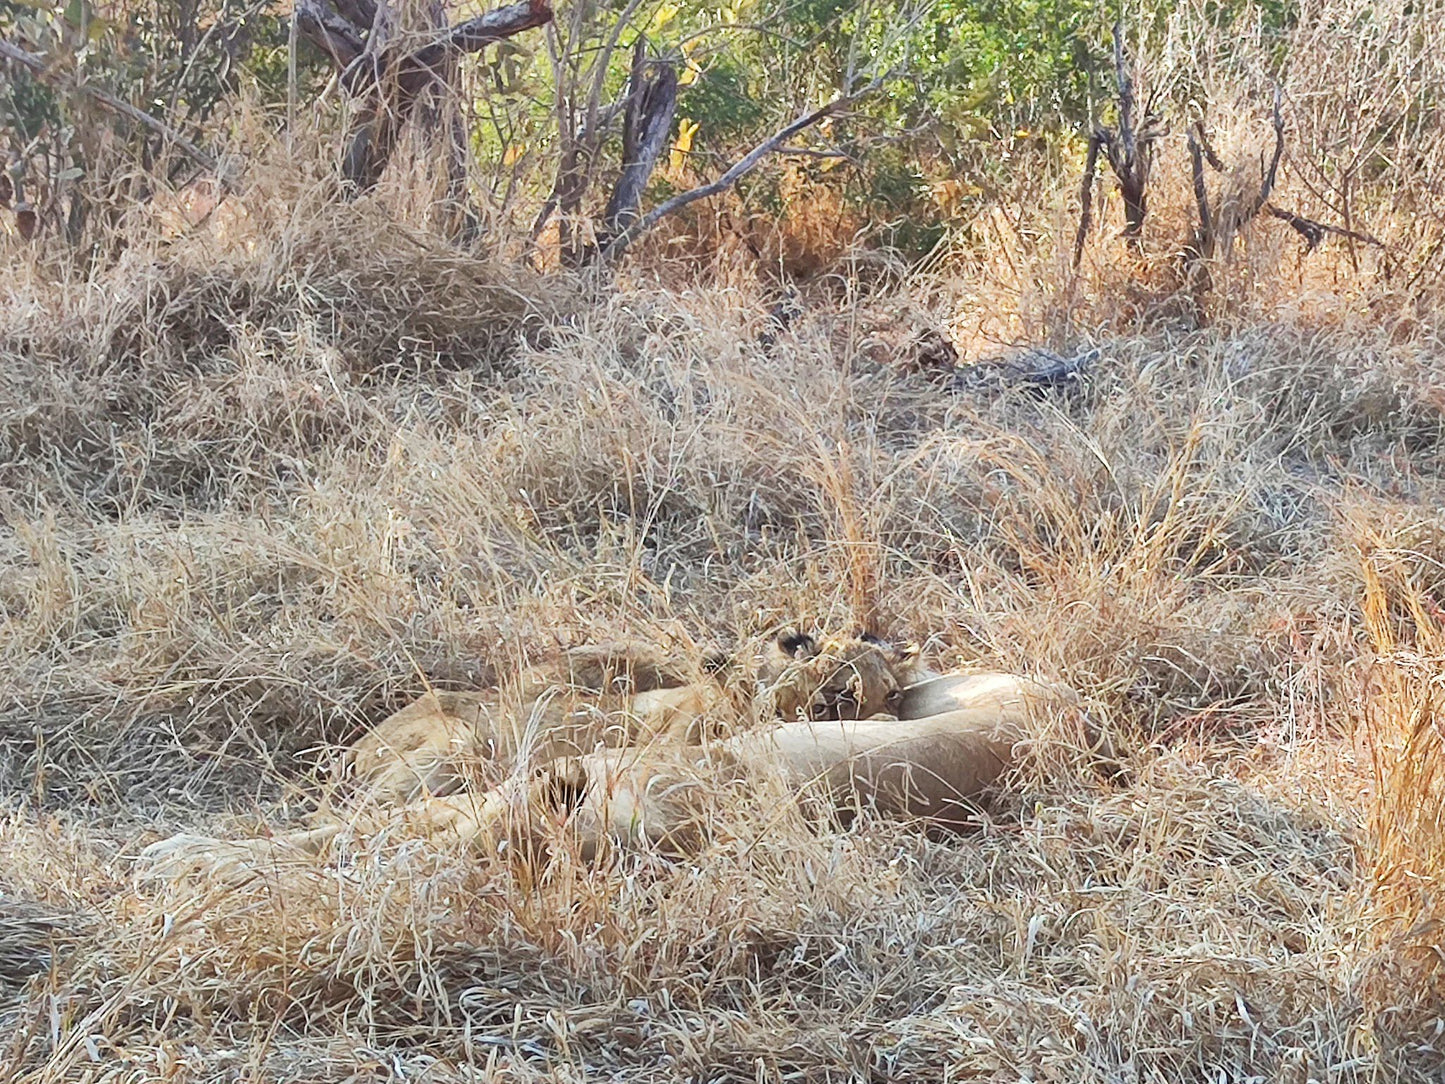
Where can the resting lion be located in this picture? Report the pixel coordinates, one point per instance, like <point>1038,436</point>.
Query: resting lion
<point>611,695</point>
<point>936,756</point>
<point>938,768</point>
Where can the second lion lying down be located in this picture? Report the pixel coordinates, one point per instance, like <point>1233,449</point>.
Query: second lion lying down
<point>624,746</point>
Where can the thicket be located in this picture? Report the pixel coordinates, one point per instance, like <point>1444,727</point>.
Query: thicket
<point>952,98</point>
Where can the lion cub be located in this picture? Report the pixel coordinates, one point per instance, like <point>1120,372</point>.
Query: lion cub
<point>614,695</point>
<point>841,677</point>
<point>607,695</point>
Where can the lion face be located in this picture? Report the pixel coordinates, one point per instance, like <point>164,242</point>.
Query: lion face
<point>846,677</point>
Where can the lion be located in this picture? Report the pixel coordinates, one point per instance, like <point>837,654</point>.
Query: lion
<point>845,677</point>
<point>616,742</point>
<point>612,695</point>
<point>941,768</point>
<point>600,695</point>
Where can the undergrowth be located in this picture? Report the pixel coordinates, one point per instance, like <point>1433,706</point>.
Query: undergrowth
<point>266,480</point>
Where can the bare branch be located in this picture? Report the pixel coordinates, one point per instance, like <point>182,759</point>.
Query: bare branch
<point>1130,148</point>
<point>1266,186</point>
<point>743,166</point>
<point>1126,95</point>
<point>1315,232</point>
<point>1210,154</point>
<point>110,101</point>
<point>336,36</point>
<point>483,30</point>
<point>1204,239</point>
<point>603,62</point>
<point>1086,196</point>
<point>345,41</point>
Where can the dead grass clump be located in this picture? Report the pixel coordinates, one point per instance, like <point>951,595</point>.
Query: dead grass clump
<point>272,479</point>
<point>180,374</point>
<point>1401,719</point>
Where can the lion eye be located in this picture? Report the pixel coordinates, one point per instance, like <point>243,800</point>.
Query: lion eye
<point>820,711</point>
<point>894,698</point>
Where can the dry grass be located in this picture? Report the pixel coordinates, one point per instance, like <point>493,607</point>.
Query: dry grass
<point>265,481</point>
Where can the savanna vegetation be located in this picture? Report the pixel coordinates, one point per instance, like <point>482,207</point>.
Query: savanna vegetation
<point>352,348</point>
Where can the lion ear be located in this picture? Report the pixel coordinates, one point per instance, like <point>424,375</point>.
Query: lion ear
<point>797,644</point>
<point>906,654</point>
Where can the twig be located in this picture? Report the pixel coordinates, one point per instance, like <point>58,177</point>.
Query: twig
<point>744,165</point>
<point>1266,186</point>
<point>110,101</point>
<point>1204,242</point>
<point>1086,196</point>
<point>1315,232</point>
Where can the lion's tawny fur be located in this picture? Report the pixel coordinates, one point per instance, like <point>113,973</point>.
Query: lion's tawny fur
<point>613,741</point>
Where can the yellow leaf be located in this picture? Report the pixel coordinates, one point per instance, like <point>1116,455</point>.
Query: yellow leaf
<point>512,153</point>
<point>690,68</point>
<point>686,130</point>
<point>665,15</point>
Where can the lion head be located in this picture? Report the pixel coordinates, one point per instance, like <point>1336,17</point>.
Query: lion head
<point>843,677</point>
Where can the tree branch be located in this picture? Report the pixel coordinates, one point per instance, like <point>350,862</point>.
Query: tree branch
<point>1210,154</point>
<point>1315,232</point>
<point>344,41</point>
<point>1086,196</point>
<point>744,165</point>
<point>1204,242</point>
<point>1130,148</point>
<point>336,36</point>
<point>475,33</point>
<point>1126,95</point>
<point>569,164</point>
<point>1266,186</point>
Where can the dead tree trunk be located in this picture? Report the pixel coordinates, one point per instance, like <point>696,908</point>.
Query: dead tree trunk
<point>647,122</point>
<point>1129,155</point>
<point>387,76</point>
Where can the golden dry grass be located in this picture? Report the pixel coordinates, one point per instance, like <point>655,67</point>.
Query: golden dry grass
<point>265,481</point>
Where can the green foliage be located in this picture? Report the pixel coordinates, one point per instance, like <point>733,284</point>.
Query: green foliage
<point>965,84</point>
<point>176,61</point>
